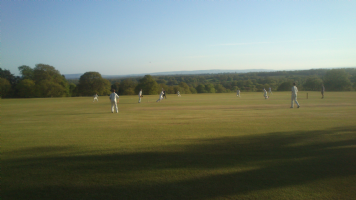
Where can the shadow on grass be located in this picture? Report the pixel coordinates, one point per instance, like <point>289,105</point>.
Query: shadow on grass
<point>208,169</point>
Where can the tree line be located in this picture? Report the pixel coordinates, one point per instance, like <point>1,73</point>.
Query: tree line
<point>45,81</point>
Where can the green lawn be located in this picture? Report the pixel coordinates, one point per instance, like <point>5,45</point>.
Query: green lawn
<point>198,146</point>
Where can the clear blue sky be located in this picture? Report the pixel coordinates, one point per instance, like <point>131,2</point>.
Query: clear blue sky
<point>127,37</point>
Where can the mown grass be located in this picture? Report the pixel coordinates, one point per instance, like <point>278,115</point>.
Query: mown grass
<point>202,146</point>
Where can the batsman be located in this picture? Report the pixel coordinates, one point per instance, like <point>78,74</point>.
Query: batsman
<point>139,96</point>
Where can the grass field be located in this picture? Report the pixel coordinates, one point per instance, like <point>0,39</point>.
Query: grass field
<point>199,146</point>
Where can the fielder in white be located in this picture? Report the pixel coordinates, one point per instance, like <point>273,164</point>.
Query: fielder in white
<point>113,97</point>
<point>270,90</point>
<point>265,93</point>
<point>178,93</point>
<point>139,96</point>
<point>238,93</point>
<point>96,97</point>
<point>294,96</point>
<point>160,97</point>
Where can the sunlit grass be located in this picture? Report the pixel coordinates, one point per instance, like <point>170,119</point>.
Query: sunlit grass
<point>202,146</point>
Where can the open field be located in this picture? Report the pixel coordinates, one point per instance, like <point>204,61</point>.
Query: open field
<point>201,146</point>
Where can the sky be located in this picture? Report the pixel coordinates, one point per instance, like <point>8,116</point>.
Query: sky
<point>117,37</point>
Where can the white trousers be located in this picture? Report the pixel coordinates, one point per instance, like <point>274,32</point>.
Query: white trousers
<point>160,98</point>
<point>294,98</point>
<point>114,104</point>
<point>139,99</point>
<point>96,98</point>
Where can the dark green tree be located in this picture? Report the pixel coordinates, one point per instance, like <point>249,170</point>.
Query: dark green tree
<point>5,87</point>
<point>91,83</point>
<point>47,88</point>
<point>116,86</point>
<point>161,81</point>
<point>13,80</point>
<point>73,90</point>
<point>219,88</point>
<point>313,84</point>
<point>148,85</point>
<point>201,88</point>
<point>210,88</point>
<point>26,88</point>
<point>26,72</point>
<point>49,82</point>
<point>285,86</point>
<point>127,87</point>
<point>193,90</point>
<point>184,88</point>
<point>337,80</point>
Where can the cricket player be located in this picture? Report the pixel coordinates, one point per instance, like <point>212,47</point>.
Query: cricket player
<point>113,97</point>
<point>294,95</point>
<point>270,90</point>
<point>139,96</point>
<point>265,93</point>
<point>238,93</point>
<point>322,91</point>
<point>160,97</point>
<point>96,97</point>
<point>164,94</point>
<point>178,93</point>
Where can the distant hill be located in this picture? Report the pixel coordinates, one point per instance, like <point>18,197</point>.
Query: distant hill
<point>72,76</point>
<point>212,71</point>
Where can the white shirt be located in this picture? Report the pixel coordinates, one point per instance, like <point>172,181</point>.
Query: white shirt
<point>265,92</point>
<point>113,96</point>
<point>140,93</point>
<point>294,90</point>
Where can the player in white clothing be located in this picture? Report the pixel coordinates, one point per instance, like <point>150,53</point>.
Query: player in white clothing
<point>96,97</point>
<point>160,97</point>
<point>238,93</point>
<point>113,97</point>
<point>178,93</point>
<point>139,96</point>
<point>270,91</point>
<point>294,95</point>
<point>265,93</point>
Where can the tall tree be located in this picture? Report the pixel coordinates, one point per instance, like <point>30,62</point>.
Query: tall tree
<point>313,84</point>
<point>148,85</point>
<point>47,88</point>
<point>26,88</point>
<point>337,80</point>
<point>6,74</point>
<point>116,86</point>
<point>285,86</point>
<point>201,88</point>
<point>49,82</point>
<point>184,88</point>
<point>219,88</point>
<point>91,83</point>
<point>127,87</point>
<point>210,88</point>
<point>26,72</point>
<point>5,87</point>
<point>73,90</point>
